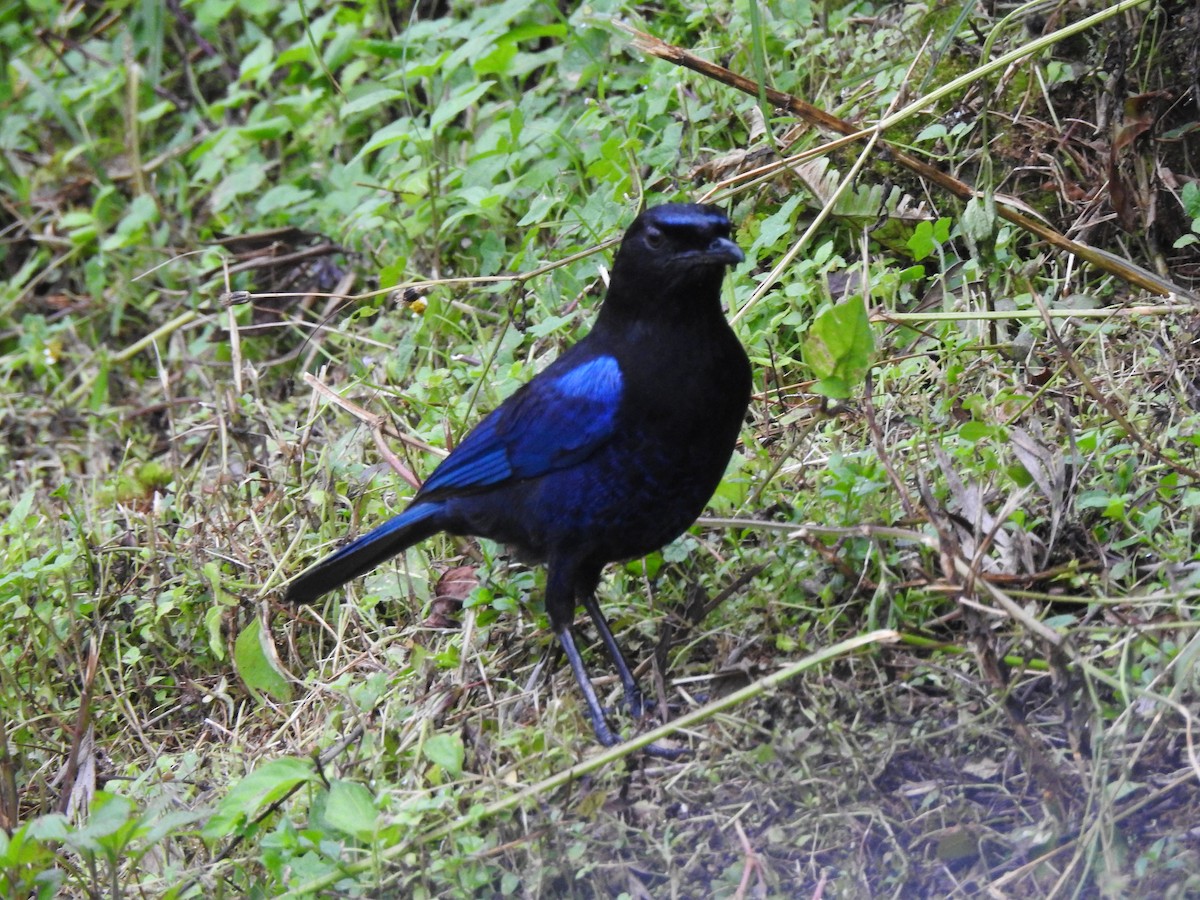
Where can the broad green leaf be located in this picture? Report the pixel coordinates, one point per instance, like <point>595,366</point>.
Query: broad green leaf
<point>264,785</point>
<point>369,101</point>
<point>928,236</point>
<point>282,196</point>
<point>141,212</point>
<point>243,179</point>
<point>838,348</point>
<point>446,750</point>
<point>979,218</point>
<point>972,432</point>
<point>452,106</point>
<point>392,133</point>
<point>778,224</point>
<point>255,663</point>
<point>350,809</point>
<point>267,129</point>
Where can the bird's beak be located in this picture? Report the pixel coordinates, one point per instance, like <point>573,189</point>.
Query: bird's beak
<point>724,251</point>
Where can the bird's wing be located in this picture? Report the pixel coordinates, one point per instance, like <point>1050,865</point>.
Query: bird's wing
<point>557,420</point>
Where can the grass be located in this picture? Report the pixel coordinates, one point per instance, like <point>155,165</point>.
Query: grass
<point>935,635</point>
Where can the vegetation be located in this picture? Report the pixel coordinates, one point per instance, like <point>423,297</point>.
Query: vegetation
<point>938,636</point>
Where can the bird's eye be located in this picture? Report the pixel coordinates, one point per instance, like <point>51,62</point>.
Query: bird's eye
<point>654,238</point>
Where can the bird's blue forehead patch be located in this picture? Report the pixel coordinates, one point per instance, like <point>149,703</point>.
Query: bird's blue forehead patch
<point>597,379</point>
<point>688,216</point>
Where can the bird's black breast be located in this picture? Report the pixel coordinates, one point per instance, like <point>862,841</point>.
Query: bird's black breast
<point>686,397</point>
<point>688,388</point>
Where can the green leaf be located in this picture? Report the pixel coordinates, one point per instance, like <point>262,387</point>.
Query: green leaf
<point>386,49</point>
<point>928,236</point>
<point>838,348</point>
<point>446,750</point>
<point>972,432</point>
<point>392,133</point>
<point>282,196</point>
<point>243,179</point>
<point>532,31</point>
<point>141,212</point>
<point>1190,196</point>
<point>107,826</point>
<point>258,63</point>
<point>538,210</point>
<point>155,112</point>
<point>497,62</point>
<point>263,786</point>
<point>267,130</point>
<point>99,392</point>
<point>979,218</point>
<point>351,810</point>
<point>931,133</point>
<point>920,242</point>
<point>369,101</point>
<point>775,226</point>
<point>255,663</point>
<point>213,618</point>
<point>452,106</point>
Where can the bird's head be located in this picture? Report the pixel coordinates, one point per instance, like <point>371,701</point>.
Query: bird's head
<point>676,247</point>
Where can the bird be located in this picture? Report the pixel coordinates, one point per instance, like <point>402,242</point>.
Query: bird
<point>606,455</point>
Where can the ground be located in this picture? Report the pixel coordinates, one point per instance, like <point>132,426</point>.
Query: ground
<point>261,264</point>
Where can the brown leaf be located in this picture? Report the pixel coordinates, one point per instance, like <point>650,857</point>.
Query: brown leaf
<point>457,583</point>
<point>454,586</point>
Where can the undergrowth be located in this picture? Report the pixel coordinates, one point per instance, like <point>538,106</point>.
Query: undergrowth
<point>252,253</point>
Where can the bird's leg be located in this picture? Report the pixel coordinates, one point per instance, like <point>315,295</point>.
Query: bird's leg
<point>565,582</point>
<point>562,574</point>
<point>604,734</point>
<point>633,694</point>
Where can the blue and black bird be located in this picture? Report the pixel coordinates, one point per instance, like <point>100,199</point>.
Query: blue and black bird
<point>609,453</point>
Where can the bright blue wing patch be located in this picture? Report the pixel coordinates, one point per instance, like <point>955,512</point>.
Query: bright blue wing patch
<point>555,421</point>
<point>479,460</point>
<point>597,380</point>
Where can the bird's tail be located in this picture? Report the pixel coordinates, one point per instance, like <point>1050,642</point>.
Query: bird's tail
<point>364,553</point>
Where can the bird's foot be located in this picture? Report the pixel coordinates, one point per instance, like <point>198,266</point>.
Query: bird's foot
<point>606,736</point>
<point>649,708</point>
<point>635,703</point>
<point>659,751</point>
